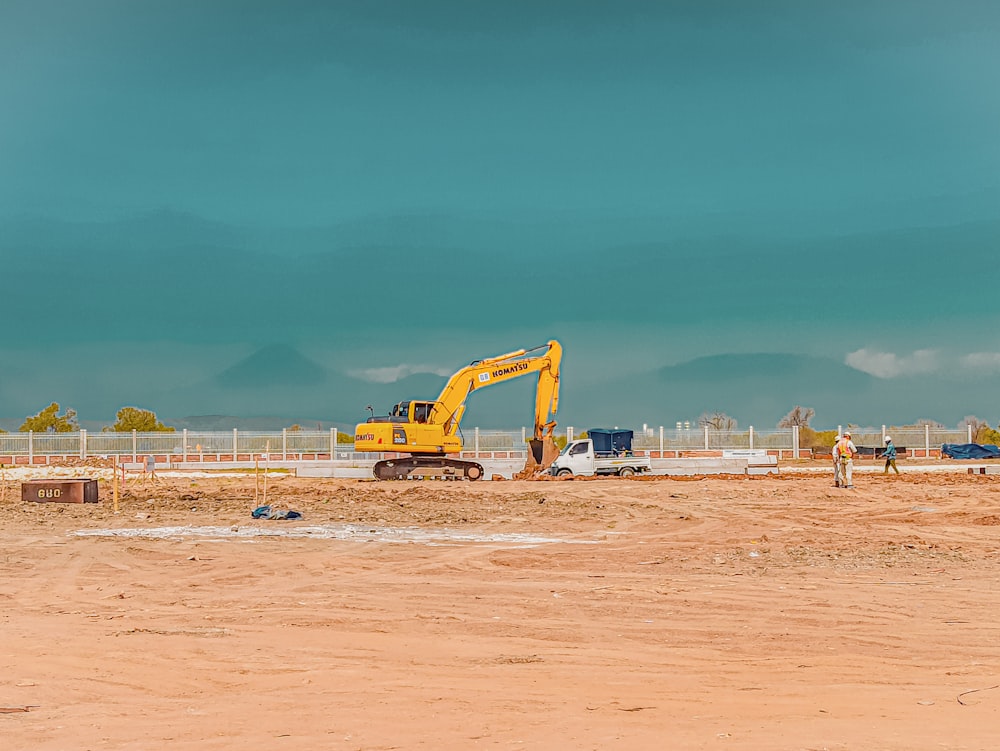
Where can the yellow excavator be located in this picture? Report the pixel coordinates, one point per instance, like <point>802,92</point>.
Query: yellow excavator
<point>427,432</point>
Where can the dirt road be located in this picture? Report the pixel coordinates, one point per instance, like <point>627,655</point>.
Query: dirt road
<point>764,613</point>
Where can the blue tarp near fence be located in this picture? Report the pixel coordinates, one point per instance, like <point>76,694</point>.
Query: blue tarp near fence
<point>970,451</point>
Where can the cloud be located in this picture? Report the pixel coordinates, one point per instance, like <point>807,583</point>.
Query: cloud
<point>891,365</point>
<point>393,373</point>
<point>981,361</point>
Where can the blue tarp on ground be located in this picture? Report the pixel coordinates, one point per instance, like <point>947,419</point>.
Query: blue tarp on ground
<point>970,451</point>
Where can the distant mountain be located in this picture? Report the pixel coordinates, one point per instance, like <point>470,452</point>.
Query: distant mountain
<point>277,386</point>
<point>760,388</point>
<point>275,365</point>
<point>766,369</point>
<point>756,389</point>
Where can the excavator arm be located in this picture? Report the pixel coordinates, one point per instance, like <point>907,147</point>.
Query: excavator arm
<point>450,405</point>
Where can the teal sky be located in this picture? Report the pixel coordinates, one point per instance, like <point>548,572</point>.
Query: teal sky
<point>313,112</point>
<point>742,177</point>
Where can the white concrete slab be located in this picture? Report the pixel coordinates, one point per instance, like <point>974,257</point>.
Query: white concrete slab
<point>506,468</point>
<point>699,466</point>
<point>745,454</point>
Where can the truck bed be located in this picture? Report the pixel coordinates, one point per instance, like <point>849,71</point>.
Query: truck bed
<point>605,465</point>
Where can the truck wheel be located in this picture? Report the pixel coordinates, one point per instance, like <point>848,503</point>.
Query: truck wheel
<point>626,472</point>
<point>564,473</point>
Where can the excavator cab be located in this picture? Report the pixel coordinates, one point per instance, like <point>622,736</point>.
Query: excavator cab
<point>408,411</point>
<point>421,411</point>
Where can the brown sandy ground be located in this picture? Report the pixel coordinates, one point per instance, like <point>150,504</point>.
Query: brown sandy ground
<point>765,613</point>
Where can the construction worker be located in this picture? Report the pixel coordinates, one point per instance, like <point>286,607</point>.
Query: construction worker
<point>845,453</point>
<point>890,456</point>
<point>836,463</point>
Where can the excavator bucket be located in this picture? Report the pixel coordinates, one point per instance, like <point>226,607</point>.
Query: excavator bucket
<point>544,452</point>
<point>540,457</point>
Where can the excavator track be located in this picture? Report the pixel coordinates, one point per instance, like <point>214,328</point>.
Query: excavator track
<point>427,468</point>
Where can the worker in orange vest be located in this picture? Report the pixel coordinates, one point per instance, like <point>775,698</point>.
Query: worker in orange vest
<point>845,451</point>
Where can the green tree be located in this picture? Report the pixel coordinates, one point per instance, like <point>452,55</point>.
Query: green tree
<point>982,433</point>
<point>990,436</point>
<point>139,420</point>
<point>816,439</point>
<point>50,421</point>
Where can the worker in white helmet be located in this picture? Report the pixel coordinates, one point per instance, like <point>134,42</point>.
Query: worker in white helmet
<point>836,463</point>
<point>845,451</point>
<point>890,456</point>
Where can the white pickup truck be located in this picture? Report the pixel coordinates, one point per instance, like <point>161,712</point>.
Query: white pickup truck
<point>579,458</point>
